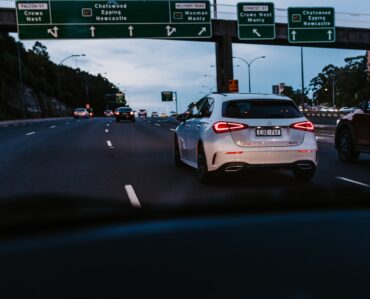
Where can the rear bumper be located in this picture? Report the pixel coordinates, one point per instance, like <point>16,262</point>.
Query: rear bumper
<point>241,166</point>
<point>221,150</point>
<point>125,117</point>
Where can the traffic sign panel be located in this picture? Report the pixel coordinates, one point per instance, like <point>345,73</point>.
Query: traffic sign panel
<point>256,20</point>
<point>119,19</point>
<point>311,24</point>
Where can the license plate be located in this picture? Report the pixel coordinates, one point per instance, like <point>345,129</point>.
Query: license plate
<point>268,132</point>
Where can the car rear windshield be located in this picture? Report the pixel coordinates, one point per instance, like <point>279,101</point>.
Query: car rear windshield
<point>260,109</point>
<point>80,110</point>
<point>124,109</point>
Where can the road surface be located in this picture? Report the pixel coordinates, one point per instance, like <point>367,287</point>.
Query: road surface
<point>133,162</point>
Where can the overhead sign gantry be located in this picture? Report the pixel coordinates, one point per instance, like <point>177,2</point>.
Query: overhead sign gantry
<point>63,19</point>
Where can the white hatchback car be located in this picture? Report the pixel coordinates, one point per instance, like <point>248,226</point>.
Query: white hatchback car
<point>232,132</point>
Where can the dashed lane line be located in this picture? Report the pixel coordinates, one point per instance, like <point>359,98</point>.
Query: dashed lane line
<point>132,196</point>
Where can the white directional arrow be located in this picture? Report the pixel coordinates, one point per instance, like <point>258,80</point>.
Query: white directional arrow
<point>170,30</point>
<point>293,34</point>
<point>329,34</point>
<point>256,32</point>
<point>92,29</point>
<point>204,29</point>
<point>54,31</point>
<point>130,29</point>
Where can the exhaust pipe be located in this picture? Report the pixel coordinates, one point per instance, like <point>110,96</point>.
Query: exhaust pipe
<point>304,166</point>
<point>234,168</point>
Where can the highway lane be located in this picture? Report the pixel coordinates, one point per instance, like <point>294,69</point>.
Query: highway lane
<point>133,162</point>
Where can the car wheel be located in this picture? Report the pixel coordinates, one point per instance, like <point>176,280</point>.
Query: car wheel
<point>204,175</point>
<point>304,175</point>
<point>177,155</point>
<point>346,152</point>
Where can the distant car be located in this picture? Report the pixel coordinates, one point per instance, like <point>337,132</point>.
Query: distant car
<point>142,113</point>
<point>154,114</point>
<point>347,109</point>
<point>173,114</point>
<point>163,115</point>
<point>231,132</point>
<point>81,113</point>
<point>108,113</point>
<point>124,113</point>
<point>352,134</point>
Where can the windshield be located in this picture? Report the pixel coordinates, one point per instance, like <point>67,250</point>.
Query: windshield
<point>210,100</point>
<point>124,109</point>
<point>260,109</point>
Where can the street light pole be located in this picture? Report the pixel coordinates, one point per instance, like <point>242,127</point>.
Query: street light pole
<point>333,88</point>
<point>249,64</point>
<point>58,75</point>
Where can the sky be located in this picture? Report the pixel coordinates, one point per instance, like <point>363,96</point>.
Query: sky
<point>144,68</point>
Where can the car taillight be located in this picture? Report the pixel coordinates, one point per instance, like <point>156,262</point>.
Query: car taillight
<point>303,126</point>
<point>117,113</point>
<point>223,126</point>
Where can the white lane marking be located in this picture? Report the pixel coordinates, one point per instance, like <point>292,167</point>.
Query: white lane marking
<point>30,133</point>
<point>109,143</point>
<point>158,125</point>
<point>173,130</point>
<point>52,127</point>
<point>352,181</point>
<point>132,196</point>
<point>106,130</point>
<point>107,125</point>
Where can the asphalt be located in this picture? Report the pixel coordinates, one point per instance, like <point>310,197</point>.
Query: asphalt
<point>100,158</point>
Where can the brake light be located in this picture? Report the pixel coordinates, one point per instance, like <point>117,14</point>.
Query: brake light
<point>303,126</point>
<point>222,127</point>
<point>117,113</point>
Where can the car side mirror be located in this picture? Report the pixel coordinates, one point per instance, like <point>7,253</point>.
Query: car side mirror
<point>182,117</point>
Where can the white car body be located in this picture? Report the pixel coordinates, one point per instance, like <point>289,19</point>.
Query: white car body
<point>81,112</point>
<point>234,150</point>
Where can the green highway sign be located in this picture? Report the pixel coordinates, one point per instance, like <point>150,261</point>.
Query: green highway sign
<point>120,98</point>
<point>311,25</point>
<point>61,19</point>
<point>256,20</point>
<point>167,96</point>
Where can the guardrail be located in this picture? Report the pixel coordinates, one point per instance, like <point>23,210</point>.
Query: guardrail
<point>324,114</point>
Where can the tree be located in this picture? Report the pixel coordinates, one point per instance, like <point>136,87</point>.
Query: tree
<point>295,95</point>
<point>39,49</point>
<point>350,83</point>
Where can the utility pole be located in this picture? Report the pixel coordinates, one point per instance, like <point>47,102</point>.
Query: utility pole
<point>21,81</point>
<point>302,78</point>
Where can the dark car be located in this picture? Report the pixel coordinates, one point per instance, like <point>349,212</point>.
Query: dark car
<point>352,135</point>
<point>124,113</point>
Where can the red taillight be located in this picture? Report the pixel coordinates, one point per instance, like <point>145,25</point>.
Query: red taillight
<point>222,127</point>
<point>117,113</point>
<point>303,126</point>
